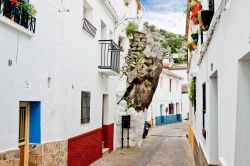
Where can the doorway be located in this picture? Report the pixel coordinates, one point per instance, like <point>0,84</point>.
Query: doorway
<point>213,118</point>
<point>242,135</point>
<point>23,140</point>
<point>105,108</point>
<point>29,128</point>
<point>161,112</point>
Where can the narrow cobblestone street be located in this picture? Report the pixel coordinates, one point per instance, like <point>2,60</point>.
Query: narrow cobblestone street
<point>165,145</point>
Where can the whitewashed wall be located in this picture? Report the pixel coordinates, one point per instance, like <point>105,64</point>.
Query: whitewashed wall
<point>229,44</point>
<point>61,50</point>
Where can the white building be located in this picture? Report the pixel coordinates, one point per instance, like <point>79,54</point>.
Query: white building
<point>57,79</point>
<point>220,67</point>
<point>181,70</point>
<point>165,107</point>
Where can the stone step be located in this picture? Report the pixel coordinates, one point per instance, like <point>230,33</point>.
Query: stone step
<point>105,152</point>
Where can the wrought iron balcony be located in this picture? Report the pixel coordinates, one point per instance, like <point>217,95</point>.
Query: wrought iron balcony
<point>88,27</point>
<point>110,57</point>
<point>17,14</point>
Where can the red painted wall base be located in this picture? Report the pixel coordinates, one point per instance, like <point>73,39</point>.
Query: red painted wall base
<point>108,136</point>
<point>85,149</point>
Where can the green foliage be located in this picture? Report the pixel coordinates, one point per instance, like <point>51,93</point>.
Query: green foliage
<point>131,28</point>
<point>141,54</point>
<point>127,1</point>
<point>182,59</point>
<point>129,102</point>
<point>146,24</point>
<point>30,8</point>
<point>191,91</point>
<point>189,6</point>
<point>153,28</point>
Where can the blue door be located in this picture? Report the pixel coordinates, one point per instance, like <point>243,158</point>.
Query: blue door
<point>161,112</point>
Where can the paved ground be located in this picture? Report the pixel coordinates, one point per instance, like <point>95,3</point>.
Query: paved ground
<point>166,145</point>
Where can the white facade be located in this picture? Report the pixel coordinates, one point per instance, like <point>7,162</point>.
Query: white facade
<point>168,92</point>
<point>222,63</point>
<point>181,70</point>
<point>56,63</point>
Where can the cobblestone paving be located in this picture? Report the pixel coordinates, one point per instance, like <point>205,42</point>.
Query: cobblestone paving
<point>166,145</point>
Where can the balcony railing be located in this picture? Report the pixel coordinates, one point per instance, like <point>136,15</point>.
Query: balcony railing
<point>88,27</point>
<point>14,12</point>
<point>110,55</point>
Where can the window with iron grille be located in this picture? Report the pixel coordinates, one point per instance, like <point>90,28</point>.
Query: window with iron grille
<point>204,96</point>
<point>85,107</point>
<point>194,95</point>
<point>203,104</point>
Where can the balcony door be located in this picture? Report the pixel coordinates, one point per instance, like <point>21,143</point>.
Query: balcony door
<point>24,118</point>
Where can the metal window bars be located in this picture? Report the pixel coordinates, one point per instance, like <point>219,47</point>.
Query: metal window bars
<point>17,14</point>
<point>110,55</point>
<point>88,27</point>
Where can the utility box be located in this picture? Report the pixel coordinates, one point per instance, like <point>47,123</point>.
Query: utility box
<point>126,121</point>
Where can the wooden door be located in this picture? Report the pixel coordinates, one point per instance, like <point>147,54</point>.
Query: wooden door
<point>24,111</point>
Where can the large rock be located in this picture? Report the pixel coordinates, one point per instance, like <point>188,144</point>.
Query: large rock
<point>143,67</point>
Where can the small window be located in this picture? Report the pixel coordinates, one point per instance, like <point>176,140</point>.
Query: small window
<point>203,104</point>
<point>171,108</point>
<point>194,95</point>
<point>204,96</point>
<point>85,107</point>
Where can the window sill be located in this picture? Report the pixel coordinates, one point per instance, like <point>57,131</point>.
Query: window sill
<point>15,26</point>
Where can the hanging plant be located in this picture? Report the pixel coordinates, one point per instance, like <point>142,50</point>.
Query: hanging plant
<point>195,36</point>
<point>191,91</point>
<point>131,28</point>
<point>204,133</point>
<point>195,7</point>
<point>195,19</point>
<point>29,8</point>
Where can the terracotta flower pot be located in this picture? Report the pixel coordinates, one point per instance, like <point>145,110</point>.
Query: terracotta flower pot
<point>195,19</point>
<point>196,8</point>
<point>194,44</point>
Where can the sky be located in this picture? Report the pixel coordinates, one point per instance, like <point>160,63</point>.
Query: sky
<point>166,14</point>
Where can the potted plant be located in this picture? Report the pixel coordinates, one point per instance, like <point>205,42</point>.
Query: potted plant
<point>194,44</point>
<point>191,91</point>
<point>195,7</point>
<point>189,47</point>
<point>127,2</point>
<point>205,17</point>
<point>204,133</point>
<point>195,19</point>
<point>131,28</point>
<point>28,11</point>
<point>195,36</point>
<point>30,8</point>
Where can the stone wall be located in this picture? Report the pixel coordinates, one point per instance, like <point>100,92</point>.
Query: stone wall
<point>48,154</point>
<point>10,158</point>
<point>199,156</point>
